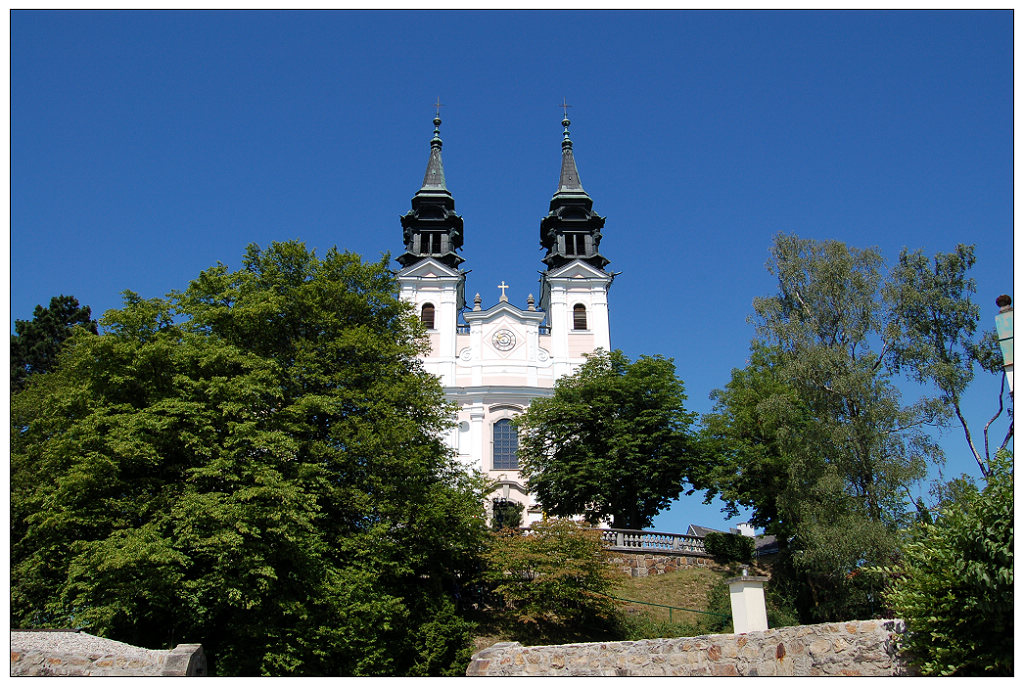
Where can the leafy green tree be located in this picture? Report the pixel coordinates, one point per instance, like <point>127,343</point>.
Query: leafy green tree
<point>614,441</point>
<point>558,573</point>
<point>254,464</point>
<point>37,341</point>
<point>813,435</point>
<point>954,584</point>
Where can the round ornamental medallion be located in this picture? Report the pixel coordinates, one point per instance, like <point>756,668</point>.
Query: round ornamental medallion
<point>504,339</point>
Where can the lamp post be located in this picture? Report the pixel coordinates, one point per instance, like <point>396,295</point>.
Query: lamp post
<point>1004,329</point>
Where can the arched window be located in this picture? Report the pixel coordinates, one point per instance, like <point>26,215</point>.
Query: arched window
<point>427,316</point>
<point>506,445</point>
<point>579,318</point>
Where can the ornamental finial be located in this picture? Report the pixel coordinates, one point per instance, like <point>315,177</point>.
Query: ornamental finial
<point>566,143</point>
<point>437,122</point>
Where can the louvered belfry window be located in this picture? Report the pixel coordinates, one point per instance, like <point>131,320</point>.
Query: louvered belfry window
<point>506,445</point>
<point>575,244</point>
<point>579,318</point>
<point>427,316</point>
<point>431,242</point>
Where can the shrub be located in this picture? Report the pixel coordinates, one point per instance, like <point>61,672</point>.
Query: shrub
<point>507,514</point>
<point>954,586</point>
<point>555,573</point>
<point>726,548</point>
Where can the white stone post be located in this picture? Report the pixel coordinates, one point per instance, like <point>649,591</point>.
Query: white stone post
<point>746,595</point>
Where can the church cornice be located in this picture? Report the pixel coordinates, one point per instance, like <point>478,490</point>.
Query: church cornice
<point>503,308</point>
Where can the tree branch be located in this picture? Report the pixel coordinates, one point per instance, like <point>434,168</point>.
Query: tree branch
<point>1009,435</point>
<point>1002,383</point>
<point>967,435</point>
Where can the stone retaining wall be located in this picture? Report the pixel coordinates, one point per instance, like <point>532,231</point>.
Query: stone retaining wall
<point>848,648</point>
<point>72,653</point>
<point>654,563</point>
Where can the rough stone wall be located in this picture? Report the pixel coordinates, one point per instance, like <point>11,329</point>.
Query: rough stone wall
<point>847,648</point>
<point>652,564</point>
<point>72,653</point>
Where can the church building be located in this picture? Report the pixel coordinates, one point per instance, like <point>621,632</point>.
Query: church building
<point>494,360</point>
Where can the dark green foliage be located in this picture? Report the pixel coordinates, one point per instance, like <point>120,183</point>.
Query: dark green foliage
<point>954,584</point>
<point>726,548</point>
<point>557,573</point>
<point>614,441</point>
<point>779,607</point>
<point>506,514</point>
<point>444,643</point>
<point>252,464</point>
<point>38,341</point>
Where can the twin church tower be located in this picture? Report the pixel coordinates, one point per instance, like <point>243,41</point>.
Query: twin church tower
<point>494,361</point>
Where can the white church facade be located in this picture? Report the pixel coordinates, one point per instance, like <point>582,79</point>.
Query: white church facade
<point>494,361</point>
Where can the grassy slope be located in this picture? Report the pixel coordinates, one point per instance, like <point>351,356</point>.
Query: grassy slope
<point>686,588</point>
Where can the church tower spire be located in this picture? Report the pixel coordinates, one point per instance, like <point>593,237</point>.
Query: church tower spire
<point>431,228</point>
<point>572,230</point>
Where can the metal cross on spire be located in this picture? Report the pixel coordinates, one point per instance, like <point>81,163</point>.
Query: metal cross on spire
<point>565,108</point>
<point>438,106</point>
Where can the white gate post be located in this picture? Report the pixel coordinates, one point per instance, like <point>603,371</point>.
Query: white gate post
<point>746,595</point>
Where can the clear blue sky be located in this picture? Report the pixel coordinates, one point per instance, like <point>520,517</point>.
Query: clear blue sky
<point>147,146</point>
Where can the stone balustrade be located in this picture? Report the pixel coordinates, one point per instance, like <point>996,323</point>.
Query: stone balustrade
<point>652,541</point>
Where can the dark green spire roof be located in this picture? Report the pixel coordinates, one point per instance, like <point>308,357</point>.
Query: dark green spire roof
<point>569,180</point>
<point>431,228</point>
<point>433,180</point>
<point>572,230</point>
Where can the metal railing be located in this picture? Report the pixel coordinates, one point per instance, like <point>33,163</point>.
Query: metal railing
<point>670,607</point>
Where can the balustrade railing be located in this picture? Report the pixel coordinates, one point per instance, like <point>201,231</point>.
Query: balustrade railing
<point>639,541</point>
<point>633,540</point>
